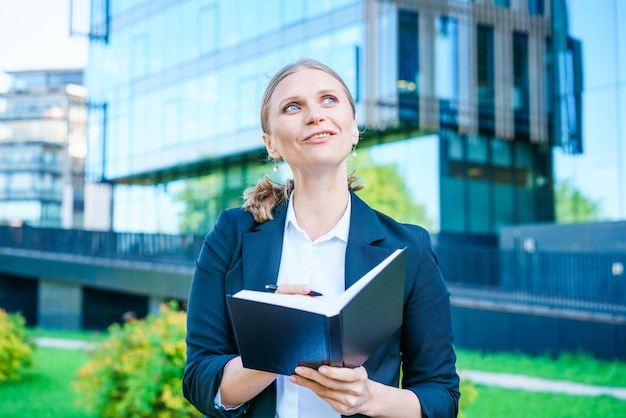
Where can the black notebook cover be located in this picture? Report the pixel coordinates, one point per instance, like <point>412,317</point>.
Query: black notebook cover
<point>278,338</point>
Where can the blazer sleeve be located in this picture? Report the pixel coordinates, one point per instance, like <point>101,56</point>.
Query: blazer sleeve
<point>427,342</point>
<point>210,343</point>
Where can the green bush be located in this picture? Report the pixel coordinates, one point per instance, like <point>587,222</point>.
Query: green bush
<point>137,371</point>
<point>16,352</point>
<point>468,396</point>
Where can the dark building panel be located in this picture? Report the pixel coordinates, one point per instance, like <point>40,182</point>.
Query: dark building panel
<point>19,294</point>
<point>102,308</point>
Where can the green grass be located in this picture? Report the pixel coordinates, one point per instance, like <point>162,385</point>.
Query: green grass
<point>45,390</point>
<point>493,402</point>
<point>578,368</point>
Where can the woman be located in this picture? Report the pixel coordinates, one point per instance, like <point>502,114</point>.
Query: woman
<point>315,233</point>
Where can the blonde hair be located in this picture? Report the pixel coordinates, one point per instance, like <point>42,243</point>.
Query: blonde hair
<point>267,195</point>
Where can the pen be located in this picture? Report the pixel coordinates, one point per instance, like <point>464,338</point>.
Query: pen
<point>274,288</point>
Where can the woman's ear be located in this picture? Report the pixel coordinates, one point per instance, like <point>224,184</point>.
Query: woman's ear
<point>355,132</point>
<point>269,146</point>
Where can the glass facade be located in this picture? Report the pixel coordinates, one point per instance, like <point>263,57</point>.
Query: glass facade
<point>174,95</point>
<point>452,103</point>
<point>171,104</point>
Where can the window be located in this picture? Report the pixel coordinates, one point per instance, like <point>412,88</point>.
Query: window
<point>446,58</point>
<point>21,181</point>
<point>171,118</point>
<point>446,69</point>
<point>521,99</point>
<point>485,81</point>
<point>503,189</point>
<point>292,11</point>
<point>485,65</point>
<point>209,29</point>
<point>247,94</point>
<point>139,55</point>
<point>408,64</point>
<point>317,7</point>
<point>548,77</point>
<point>536,7</point>
<point>268,17</point>
<point>520,71</point>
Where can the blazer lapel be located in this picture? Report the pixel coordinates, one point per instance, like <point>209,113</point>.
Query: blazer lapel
<point>262,247</point>
<point>364,250</point>
<point>261,252</point>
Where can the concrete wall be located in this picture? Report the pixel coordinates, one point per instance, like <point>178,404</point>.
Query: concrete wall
<point>60,305</point>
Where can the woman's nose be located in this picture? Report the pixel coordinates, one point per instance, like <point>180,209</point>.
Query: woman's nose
<point>315,115</point>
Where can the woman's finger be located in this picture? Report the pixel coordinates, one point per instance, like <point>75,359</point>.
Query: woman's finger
<point>294,289</point>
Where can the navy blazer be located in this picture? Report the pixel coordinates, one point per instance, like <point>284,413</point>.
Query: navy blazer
<point>241,253</point>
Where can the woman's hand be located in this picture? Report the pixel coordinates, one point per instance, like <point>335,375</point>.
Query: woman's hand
<point>350,391</point>
<point>346,390</point>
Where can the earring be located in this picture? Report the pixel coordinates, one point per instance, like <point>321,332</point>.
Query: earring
<point>275,169</point>
<point>354,151</point>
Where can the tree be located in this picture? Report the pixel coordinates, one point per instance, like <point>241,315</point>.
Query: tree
<point>385,190</point>
<point>572,206</point>
<point>204,197</point>
<point>198,194</point>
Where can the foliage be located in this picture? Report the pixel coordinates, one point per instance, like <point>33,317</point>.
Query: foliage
<point>16,352</point>
<point>204,197</point>
<point>137,371</point>
<point>469,393</point>
<point>385,190</point>
<point>572,206</point>
<point>197,195</point>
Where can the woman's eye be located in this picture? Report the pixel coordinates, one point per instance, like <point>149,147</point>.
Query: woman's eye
<point>290,107</point>
<point>330,100</point>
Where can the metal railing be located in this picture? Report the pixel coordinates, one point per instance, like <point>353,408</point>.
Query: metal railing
<point>574,280</point>
<point>164,248</point>
<point>568,280</point>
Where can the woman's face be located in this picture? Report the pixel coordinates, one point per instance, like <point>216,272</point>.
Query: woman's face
<point>311,122</point>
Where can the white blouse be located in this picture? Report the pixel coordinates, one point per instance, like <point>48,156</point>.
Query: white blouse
<point>321,264</point>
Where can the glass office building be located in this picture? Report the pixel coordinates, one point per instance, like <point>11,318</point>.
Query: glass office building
<point>457,101</point>
<point>43,117</point>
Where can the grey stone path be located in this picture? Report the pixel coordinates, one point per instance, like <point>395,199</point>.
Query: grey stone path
<point>504,380</point>
<point>63,343</point>
<point>536,384</point>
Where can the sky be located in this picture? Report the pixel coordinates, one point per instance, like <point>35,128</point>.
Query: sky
<point>34,34</point>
